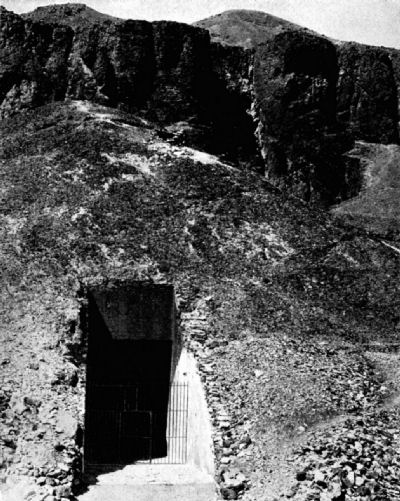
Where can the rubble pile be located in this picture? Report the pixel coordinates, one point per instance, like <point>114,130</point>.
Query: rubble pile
<point>357,460</point>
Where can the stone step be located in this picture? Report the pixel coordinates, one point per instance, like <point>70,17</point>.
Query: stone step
<point>153,483</point>
<point>180,492</point>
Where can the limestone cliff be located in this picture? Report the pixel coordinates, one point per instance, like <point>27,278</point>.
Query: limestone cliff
<point>294,89</point>
<point>312,98</point>
<point>367,76</point>
<point>33,62</point>
<point>294,97</point>
<point>367,98</point>
<point>164,70</point>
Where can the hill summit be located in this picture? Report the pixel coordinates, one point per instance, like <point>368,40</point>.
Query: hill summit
<point>71,14</point>
<point>246,28</point>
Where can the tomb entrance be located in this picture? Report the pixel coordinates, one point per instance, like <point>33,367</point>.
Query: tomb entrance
<point>132,405</point>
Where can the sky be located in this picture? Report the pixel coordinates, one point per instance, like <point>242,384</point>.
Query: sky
<point>375,22</point>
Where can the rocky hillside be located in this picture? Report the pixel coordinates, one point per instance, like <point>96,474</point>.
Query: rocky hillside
<point>290,106</point>
<point>376,207</point>
<point>278,303</point>
<point>132,151</point>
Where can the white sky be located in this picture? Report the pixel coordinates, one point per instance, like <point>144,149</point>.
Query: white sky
<point>374,22</point>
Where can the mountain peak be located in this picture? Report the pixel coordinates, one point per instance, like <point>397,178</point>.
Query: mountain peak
<point>72,14</point>
<point>246,28</point>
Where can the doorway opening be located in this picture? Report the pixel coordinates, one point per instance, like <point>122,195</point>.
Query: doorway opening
<point>134,413</point>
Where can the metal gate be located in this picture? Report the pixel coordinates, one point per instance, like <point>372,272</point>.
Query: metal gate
<point>177,426</point>
<point>136,423</point>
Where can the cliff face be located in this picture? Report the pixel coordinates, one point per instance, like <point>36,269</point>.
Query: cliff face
<point>142,67</point>
<point>368,77</point>
<point>298,99</point>
<point>312,98</point>
<point>294,86</point>
<point>166,71</point>
<point>131,63</point>
<point>33,65</point>
<point>394,56</point>
<point>367,101</point>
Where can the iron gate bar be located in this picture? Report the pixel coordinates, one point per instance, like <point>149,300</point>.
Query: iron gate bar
<point>176,433</point>
<point>177,427</point>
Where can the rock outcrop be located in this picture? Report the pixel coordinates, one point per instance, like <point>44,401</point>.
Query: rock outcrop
<point>295,98</point>
<point>367,101</point>
<point>368,77</point>
<point>295,77</point>
<point>33,62</point>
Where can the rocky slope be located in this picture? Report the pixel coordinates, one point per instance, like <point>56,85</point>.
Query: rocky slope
<point>376,207</point>
<point>265,285</point>
<point>297,99</point>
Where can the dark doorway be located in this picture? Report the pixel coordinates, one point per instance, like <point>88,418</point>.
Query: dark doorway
<point>131,349</point>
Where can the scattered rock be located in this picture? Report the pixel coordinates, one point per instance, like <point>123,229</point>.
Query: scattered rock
<point>229,493</point>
